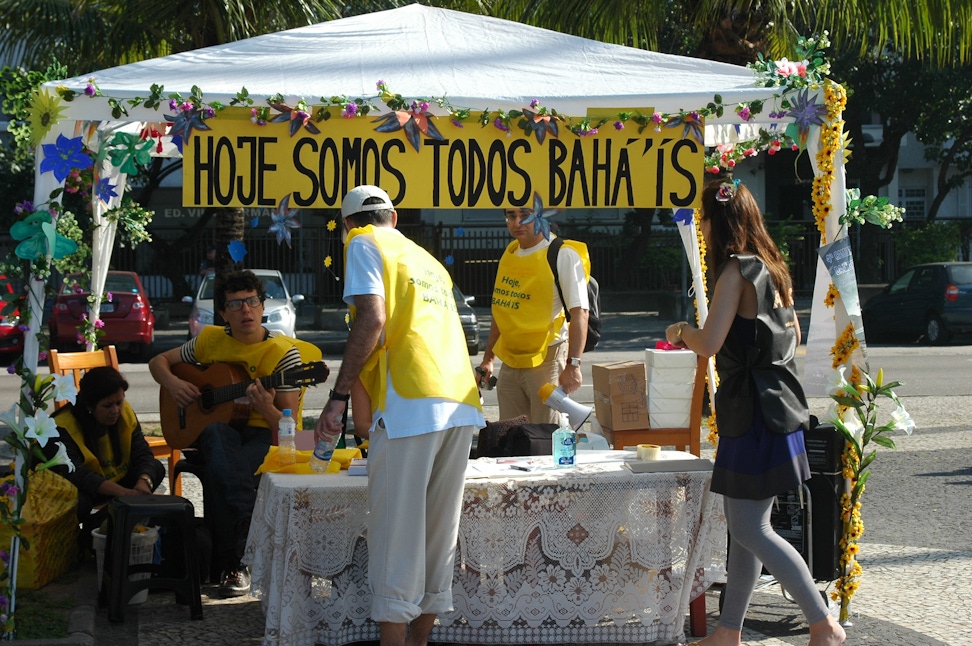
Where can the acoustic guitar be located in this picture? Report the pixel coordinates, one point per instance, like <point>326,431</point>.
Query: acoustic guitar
<point>223,398</point>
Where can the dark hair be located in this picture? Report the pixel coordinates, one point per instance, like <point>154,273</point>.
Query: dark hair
<point>96,384</point>
<point>364,218</point>
<point>242,280</point>
<point>736,227</point>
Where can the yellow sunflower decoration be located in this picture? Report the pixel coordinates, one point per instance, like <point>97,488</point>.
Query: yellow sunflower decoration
<point>45,111</point>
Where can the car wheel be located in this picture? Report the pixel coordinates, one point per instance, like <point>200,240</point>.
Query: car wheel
<point>935,332</point>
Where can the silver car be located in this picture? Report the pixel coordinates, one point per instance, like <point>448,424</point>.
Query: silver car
<point>279,311</point>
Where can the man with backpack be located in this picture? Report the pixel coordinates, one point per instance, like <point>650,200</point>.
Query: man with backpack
<point>529,332</point>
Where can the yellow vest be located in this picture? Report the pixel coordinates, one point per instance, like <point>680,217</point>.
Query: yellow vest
<point>112,467</point>
<point>423,340</point>
<point>214,345</point>
<point>523,298</point>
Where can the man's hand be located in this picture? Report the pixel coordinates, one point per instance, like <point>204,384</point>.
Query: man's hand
<point>571,379</point>
<point>183,392</point>
<point>261,399</point>
<point>329,423</point>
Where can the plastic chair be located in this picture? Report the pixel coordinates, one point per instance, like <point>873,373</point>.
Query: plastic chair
<point>76,364</point>
<point>174,514</point>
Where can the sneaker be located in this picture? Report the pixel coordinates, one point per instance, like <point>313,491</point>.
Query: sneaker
<point>235,583</point>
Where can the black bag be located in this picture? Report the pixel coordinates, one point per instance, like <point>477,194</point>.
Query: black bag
<point>529,439</point>
<point>593,296</point>
<point>492,436</point>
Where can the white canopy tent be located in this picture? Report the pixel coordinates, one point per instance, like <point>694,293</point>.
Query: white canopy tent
<point>473,61</point>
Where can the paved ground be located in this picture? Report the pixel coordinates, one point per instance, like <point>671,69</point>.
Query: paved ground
<point>916,553</point>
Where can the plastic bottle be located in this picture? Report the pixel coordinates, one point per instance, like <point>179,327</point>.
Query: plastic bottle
<point>322,453</point>
<point>564,447</point>
<point>286,438</point>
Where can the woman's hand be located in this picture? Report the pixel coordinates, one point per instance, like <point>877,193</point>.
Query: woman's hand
<point>673,334</point>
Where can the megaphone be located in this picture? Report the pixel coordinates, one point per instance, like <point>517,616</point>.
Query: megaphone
<point>557,399</point>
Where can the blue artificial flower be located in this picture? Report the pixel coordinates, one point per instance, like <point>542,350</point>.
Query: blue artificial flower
<point>183,124</point>
<point>540,217</point>
<point>460,231</point>
<point>449,260</point>
<point>63,157</point>
<point>105,190</point>
<point>805,113</point>
<point>254,221</point>
<point>683,216</point>
<point>237,250</point>
<point>283,221</point>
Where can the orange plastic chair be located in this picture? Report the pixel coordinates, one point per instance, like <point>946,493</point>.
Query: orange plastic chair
<point>76,363</point>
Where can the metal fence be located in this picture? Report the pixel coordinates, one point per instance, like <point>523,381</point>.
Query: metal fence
<point>313,265</point>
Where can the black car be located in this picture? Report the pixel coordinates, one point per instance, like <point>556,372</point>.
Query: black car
<point>933,301</point>
<point>470,322</point>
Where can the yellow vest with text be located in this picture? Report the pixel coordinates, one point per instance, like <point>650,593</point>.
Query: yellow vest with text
<point>214,345</point>
<point>117,468</point>
<point>523,298</point>
<point>423,337</point>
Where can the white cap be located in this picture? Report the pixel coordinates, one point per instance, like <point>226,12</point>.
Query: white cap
<point>353,202</point>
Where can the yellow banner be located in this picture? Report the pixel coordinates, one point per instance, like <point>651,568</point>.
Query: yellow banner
<point>239,163</point>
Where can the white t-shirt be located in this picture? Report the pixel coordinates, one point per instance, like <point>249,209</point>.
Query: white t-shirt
<point>402,417</point>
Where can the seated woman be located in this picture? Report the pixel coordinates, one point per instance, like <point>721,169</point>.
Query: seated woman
<point>104,441</point>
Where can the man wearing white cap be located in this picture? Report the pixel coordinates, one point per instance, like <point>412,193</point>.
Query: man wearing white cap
<point>407,347</point>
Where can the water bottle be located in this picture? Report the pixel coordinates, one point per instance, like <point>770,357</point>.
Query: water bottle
<point>286,439</point>
<point>322,452</point>
<point>564,447</point>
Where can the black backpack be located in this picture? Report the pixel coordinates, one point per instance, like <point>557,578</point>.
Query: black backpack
<point>593,295</point>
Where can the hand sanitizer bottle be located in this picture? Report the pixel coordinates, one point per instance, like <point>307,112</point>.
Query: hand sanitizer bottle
<point>564,447</point>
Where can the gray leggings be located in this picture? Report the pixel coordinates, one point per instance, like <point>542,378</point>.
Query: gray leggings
<point>754,544</point>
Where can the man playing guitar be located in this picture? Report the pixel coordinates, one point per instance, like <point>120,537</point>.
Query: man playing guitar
<point>233,454</point>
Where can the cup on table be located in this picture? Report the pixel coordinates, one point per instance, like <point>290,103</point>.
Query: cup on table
<point>648,452</point>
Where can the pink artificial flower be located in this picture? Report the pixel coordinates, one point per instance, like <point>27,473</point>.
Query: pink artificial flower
<point>90,90</point>
<point>534,103</point>
<point>350,110</point>
<point>713,169</point>
<point>99,323</point>
<point>618,125</point>
<point>499,125</point>
<point>750,152</point>
<point>657,118</point>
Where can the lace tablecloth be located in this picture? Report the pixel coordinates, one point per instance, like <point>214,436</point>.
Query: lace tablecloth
<point>593,554</point>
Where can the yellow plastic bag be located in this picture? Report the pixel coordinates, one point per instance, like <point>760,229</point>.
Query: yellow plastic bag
<point>340,459</point>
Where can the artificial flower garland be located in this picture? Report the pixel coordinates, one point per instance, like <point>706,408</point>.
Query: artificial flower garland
<point>713,435</point>
<point>831,141</point>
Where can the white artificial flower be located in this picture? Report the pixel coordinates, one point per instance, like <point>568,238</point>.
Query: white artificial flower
<point>41,427</point>
<point>64,388</point>
<point>61,457</point>
<point>832,414</point>
<point>854,427</point>
<point>837,381</point>
<point>9,417</point>
<point>902,420</point>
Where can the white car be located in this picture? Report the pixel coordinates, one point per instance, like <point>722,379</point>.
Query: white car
<point>279,311</point>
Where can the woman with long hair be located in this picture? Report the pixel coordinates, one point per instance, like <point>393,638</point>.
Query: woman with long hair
<point>104,441</point>
<point>761,410</point>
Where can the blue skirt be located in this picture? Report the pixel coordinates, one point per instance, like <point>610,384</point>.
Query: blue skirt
<point>760,464</point>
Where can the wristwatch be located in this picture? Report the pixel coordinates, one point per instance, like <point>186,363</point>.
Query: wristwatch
<point>147,479</point>
<point>341,397</point>
<point>574,361</point>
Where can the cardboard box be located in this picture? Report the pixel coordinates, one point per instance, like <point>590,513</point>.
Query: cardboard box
<point>620,395</point>
<point>669,420</point>
<point>670,358</point>
<point>659,390</point>
<point>671,366</point>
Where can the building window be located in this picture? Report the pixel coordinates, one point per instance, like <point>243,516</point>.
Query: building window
<point>913,201</point>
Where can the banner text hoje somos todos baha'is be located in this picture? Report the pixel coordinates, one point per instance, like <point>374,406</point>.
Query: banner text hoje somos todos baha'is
<point>238,163</point>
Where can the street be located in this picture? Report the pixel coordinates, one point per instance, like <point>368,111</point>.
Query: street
<point>926,371</point>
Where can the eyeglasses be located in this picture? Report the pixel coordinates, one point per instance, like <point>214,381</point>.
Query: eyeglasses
<point>236,304</point>
<point>515,217</point>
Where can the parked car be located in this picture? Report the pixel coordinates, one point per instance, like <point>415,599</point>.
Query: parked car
<point>11,336</point>
<point>467,316</point>
<point>279,310</point>
<point>933,301</point>
<point>128,316</point>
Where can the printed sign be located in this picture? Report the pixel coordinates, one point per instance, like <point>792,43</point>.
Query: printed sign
<point>238,163</point>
